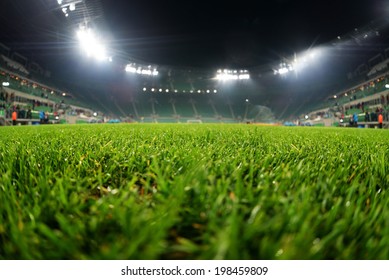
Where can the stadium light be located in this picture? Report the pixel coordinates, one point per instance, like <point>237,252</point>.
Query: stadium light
<point>5,84</point>
<point>72,7</point>
<point>228,75</point>
<point>387,86</point>
<point>90,44</point>
<point>141,70</point>
<point>298,62</point>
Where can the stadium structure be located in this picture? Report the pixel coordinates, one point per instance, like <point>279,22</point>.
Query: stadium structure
<point>143,91</point>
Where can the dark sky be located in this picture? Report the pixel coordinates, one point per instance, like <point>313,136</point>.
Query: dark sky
<point>194,33</point>
<point>203,34</point>
<point>208,33</point>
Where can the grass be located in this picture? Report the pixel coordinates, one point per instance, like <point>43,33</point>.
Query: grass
<point>144,191</point>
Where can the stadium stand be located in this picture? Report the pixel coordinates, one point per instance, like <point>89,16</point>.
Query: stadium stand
<point>24,95</point>
<point>367,100</point>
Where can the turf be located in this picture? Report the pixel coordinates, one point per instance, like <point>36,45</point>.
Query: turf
<point>146,191</point>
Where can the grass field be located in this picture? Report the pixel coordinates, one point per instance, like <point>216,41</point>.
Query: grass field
<point>137,191</point>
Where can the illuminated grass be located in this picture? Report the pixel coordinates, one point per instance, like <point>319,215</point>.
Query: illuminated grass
<point>193,192</point>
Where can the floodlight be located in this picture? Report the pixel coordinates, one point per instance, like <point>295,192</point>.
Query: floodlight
<point>72,6</point>
<point>144,89</point>
<point>63,94</point>
<point>207,90</point>
<point>90,44</point>
<point>153,89</point>
<point>214,91</point>
<point>160,90</point>
<point>130,68</point>
<point>283,70</point>
<point>140,69</point>
<point>95,114</point>
<point>5,84</point>
<point>167,90</point>
<point>244,76</point>
<point>306,117</point>
<point>387,86</point>
<point>59,2</point>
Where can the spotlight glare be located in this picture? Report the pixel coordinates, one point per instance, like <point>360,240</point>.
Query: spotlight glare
<point>90,45</point>
<point>72,6</point>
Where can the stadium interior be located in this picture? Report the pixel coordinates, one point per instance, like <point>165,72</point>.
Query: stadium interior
<point>133,90</point>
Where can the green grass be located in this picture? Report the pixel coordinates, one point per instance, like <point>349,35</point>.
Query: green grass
<point>144,191</point>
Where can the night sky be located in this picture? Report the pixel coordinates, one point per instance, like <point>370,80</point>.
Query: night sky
<point>201,34</point>
<point>231,33</point>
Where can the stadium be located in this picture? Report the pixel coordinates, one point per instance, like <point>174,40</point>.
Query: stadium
<point>117,148</point>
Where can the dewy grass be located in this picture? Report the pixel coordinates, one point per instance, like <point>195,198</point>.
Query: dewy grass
<point>143,191</point>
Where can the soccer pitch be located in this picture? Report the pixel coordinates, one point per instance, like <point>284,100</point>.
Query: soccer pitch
<point>193,191</point>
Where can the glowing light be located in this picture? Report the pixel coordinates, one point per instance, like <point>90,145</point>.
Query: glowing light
<point>141,70</point>
<point>226,75</point>
<point>5,84</point>
<point>59,2</point>
<point>72,6</point>
<point>283,70</point>
<point>144,89</point>
<point>90,45</point>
